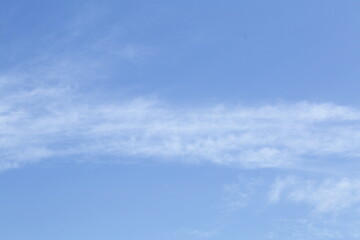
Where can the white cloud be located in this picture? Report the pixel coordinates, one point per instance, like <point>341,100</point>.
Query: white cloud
<point>43,122</point>
<point>325,196</point>
<point>44,116</point>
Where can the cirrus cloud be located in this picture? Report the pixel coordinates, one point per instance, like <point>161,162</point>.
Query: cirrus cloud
<point>43,123</point>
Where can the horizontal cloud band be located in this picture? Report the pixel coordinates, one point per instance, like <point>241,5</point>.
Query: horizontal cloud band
<point>47,123</point>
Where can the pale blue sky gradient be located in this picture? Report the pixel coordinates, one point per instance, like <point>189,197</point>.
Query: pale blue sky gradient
<point>179,120</point>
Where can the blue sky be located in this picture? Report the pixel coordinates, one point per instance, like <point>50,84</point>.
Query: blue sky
<point>179,120</point>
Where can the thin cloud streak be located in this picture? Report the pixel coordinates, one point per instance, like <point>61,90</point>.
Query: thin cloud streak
<point>45,123</point>
<point>324,196</point>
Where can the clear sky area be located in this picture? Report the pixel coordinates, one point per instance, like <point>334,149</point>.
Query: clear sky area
<point>173,120</point>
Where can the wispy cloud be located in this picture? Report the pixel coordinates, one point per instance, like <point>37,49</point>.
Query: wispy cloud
<point>324,196</point>
<point>45,114</point>
<point>40,123</point>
